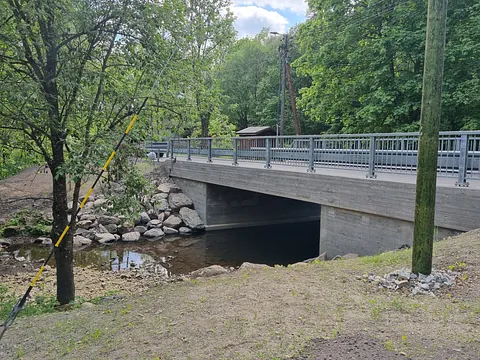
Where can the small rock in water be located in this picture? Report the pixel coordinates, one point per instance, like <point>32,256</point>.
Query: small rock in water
<point>154,234</point>
<point>79,241</point>
<point>105,238</point>
<point>132,236</point>
<point>169,231</point>
<point>184,231</point>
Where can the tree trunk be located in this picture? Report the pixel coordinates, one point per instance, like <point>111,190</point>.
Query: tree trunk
<point>63,253</point>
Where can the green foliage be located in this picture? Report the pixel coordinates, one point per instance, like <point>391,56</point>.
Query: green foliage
<point>30,222</point>
<point>37,306</point>
<point>366,64</point>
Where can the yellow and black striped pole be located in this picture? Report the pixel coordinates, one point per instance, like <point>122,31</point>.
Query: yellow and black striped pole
<point>21,303</point>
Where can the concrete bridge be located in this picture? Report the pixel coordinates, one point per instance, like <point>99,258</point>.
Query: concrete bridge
<point>356,213</point>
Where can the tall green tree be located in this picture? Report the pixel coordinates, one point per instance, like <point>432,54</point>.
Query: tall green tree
<point>72,74</point>
<point>365,60</point>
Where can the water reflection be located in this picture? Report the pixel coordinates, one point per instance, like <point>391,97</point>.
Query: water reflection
<point>278,244</point>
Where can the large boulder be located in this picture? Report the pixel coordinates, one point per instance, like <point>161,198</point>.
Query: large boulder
<point>131,236</point>
<point>84,224</point>
<point>43,241</point>
<point>105,238</point>
<point>210,271</point>
<point>144,218</point>
<point>168,188</point>
<point>140,229</point>
<point>153,234</point>
<point>85,217</point>
<point>99,203</point>
<point>108,220</point>
<point>160,205</point>
<point>191,218</point>
<point>80,241</point>
<point>179,200</point>
<point>89,234</point>
<point>173,222</point>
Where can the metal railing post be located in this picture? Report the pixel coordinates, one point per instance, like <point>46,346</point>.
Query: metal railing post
<point>268,153</point>
<point>463,162</point>
<point>371,158</point>
<point>235,151</point>
<point>311,156</point>
<point>189,150</point>
<point>170,147</point>
<point>209,150</point>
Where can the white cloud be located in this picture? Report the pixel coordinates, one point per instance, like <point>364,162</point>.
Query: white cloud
<point>297,6</point>
<point>252,19</point>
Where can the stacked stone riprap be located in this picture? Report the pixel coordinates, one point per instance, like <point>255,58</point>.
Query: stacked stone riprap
<point>416,284</point>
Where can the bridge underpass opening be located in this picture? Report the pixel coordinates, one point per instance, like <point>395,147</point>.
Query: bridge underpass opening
<point>254,227</point>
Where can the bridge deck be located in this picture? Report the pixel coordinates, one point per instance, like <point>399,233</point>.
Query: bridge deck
<point>442,181</point>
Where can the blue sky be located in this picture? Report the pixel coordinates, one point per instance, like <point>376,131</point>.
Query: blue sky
<point>278,15</point>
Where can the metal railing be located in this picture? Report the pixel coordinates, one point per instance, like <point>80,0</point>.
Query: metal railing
<point>458,152</point>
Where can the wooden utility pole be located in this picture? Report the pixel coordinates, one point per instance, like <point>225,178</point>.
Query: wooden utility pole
<point>284,61</point>
<point>428,143</point>
<point>291,90</point>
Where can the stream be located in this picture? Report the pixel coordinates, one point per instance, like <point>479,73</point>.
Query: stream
<point>276,244</point>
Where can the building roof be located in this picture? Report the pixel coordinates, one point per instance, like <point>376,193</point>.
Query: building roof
<point>256,130</point>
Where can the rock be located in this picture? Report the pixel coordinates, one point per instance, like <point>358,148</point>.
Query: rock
<point>43,241</point>
<point>84,224</point>
<point>47,268</point>
<point>11,231</point>
<point>184,230</point>
<point>79,241</point>
<point>160,205</point>
<point>102,229</point>
<point>169,231</point>
<point>425,287</point>
<point>99,203</point>
<point>210,271</point>
<point>191,219</point>
<point>168,188</point>
<point>350,256</point>
<point>88,206</point>
<point>131,236</point>
<point>152,156</point>
<point>5,242</point>
<point>166,214</point>
<point>179,200</point>
<point>161,217</point>
<point>85,233</point>
<point>140,229</point>
<point>117,237</point>
<point>173,222</point>
<point>152,215</point>
<point>144,218</point>
<point>154,224</point>
<point>251,266</point>
<point>321,257</point>
<point>104,238</point>
<point>91,217</point>
<point>154,234</point>
<point>87,305</point>
<point>107,220</point>
<point>125,228</point>
<point>159,197</point>
<point>111,228</point>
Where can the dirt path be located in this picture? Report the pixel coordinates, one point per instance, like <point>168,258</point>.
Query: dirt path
<point>274,313</point>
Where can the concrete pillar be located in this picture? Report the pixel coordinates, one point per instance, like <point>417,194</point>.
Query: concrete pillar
<point>345,231</point>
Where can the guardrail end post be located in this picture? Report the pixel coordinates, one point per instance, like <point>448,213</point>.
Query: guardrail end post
<point>463,162</point>
<point>209,150</point>
<point>371,159</point>
<point>311,156</point>
<point>268,153</point>
<point>235,152</point>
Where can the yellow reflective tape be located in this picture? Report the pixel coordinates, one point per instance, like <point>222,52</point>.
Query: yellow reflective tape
<point>62,236</point>
<point>32,284</point>
<point>108,161</point>
<point>86,198</point>
<point>134,118</point>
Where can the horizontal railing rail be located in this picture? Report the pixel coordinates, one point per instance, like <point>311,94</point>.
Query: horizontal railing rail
<point>458,152</point>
